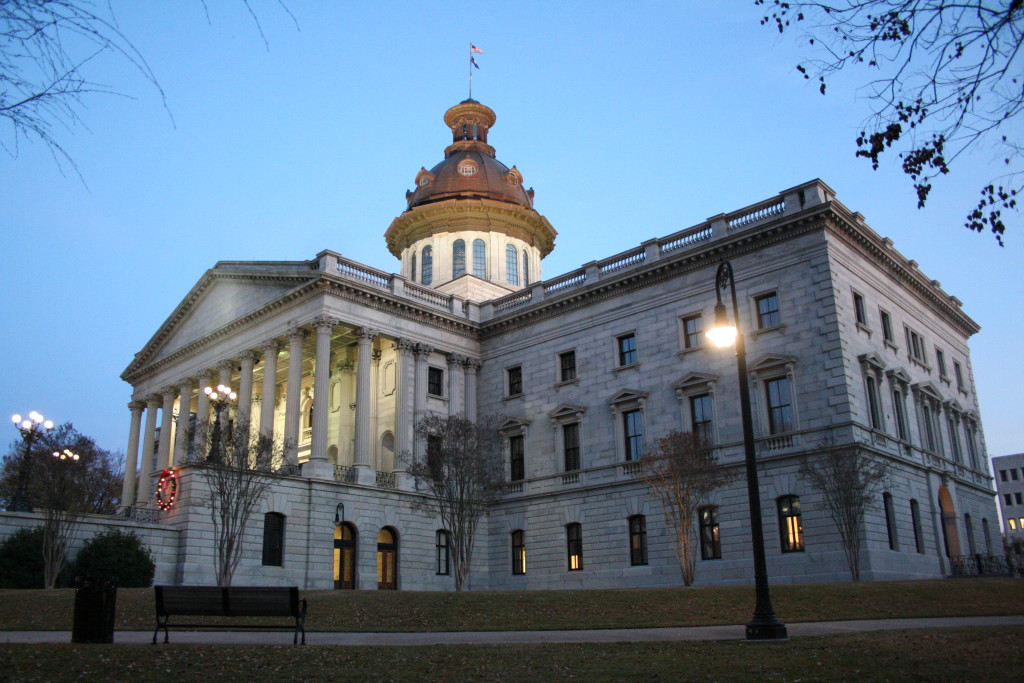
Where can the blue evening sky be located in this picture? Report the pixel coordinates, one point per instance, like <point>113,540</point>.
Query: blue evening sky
<point>630,120</point>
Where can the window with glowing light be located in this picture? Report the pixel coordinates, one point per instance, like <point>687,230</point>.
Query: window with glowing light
<point>710,538</point>
<point>518,552</point>
<point>791,529</point>
<point>637,540</point>
<point>574,545</point>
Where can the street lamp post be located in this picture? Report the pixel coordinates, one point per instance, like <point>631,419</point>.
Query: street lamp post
<point>765,625</point>
<point>220,398</point>
<point>30,429</point>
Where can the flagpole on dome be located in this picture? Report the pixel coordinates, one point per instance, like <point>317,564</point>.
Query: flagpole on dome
<point>472,64</point>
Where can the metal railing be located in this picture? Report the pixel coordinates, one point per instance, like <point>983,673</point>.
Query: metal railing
<point>139,513</point>
<point>980,565</point>
<point>386,480</point>
<point>345,474</point>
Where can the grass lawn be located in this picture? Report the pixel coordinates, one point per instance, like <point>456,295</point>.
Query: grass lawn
<point>981,654</point>
<point>618,608</point>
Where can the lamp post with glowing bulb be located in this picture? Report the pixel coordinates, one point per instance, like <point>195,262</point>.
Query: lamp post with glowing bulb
<point>220,398</point>
<point>30,428</point>
<point>765,625</point>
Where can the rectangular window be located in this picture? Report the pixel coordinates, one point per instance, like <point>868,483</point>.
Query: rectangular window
<point>435,381</point>
<point>929,428</point>
<point>890,521</point>
<point>954,442</point>
<point>900,411</point>
<point>571,445</point>
<point>435,462</point>
<point>1008,499</point>
<point>693,331</point>
<point>940,360</point>
<point>442,552</point>
<point>710,539</point>
<point>633,431</point>
<point>574,546</point>
<point>515,380</point>
<point>1017,499</point>
<point>791,530</point>
<point>886,326</point>
<point>858,309</point>
<point>637,540</point>
<point>767,310</point>
<point>567,366</point>
<point>627,349</point>
<point>958,372</point>
<point>780,408</point>
<point>874,411</point>
<point>701,420</point>
<point>517,460</point>
<point>915,345</point>
<point>1013,474</point>
<point>1013,524</point>
<point>518,552</point>
<point>273,539</point>
<point>915,516</point>
<point>1002,474</point>
<point>972,450</point>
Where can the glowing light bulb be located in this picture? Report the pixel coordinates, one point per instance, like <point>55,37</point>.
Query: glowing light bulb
<point>16,418</point>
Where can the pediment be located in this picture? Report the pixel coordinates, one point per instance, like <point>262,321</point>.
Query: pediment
<point>566,410</point>
<point>872,359</point>
<point>694,379</point>
<point>222,296</point>
<point>898,375</point>
<point>928,389</point>
<point>954,405</point>
<point>513,424</point>
<point>627,395</point>
<point>771,360</point>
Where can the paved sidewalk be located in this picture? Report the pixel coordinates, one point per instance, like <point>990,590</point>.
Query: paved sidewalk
<point>735,632</point>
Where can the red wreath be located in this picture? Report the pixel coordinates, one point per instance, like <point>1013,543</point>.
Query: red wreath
<point>166,490</point>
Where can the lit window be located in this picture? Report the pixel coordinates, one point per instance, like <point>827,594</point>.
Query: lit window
<point>790,528</point>
<point>458,258</point>
<point>567,366</point>
<point>428,266</point>
<point>516,456</point>
<point>574,545</point>
<point>515,380</point>
<point>633,432</point>
<point>1013,524</point>
<point>435,381</point>
<point>571,446</point>
<point>637,540</point>
<point>479,259</point>
<point>710,539</point>
<point>858,309</point>
<point>700,417</point>
<point>442,552</point>
<point>627,349</point>
<point>693,331</point>
<point>780,408</point>
<point>512,265</point>
<point>273,539</point>
<point>518,552</point>
<point>767,310</point>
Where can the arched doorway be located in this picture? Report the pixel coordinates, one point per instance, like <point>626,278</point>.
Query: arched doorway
<point>387,452</point>
<point>950,535</point>
<point>345,556</point>
<point>387,559</point>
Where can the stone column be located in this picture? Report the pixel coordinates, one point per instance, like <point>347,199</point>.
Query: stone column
<point>345,370</point>
<point>148,441</point>
<point>131,458</point>
<point>419,447</point>
<point>248,361</point>
<point>199,443</point>
<point>163,454</point>
<point>472,366</point>
<point>224,368</point>
<point>364,338</point>
<point>456,383</point>
<point>181,431</point>
<point>375,357</point>
<point>317,466</point>
<point>269,389</point>
<point>405,379</point>
<point>292,396</point>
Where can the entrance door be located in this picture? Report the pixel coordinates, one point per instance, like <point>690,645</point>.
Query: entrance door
<point>345,556</point>
<point>387,560</point>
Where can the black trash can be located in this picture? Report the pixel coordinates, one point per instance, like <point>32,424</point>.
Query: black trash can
<point>95,601</point>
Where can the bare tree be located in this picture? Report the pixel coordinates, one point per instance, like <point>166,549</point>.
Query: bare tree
<point>682,472</point>
<point>849,480</point>
<point>946,79</point>
<point>463,473</point>
<point>238,478</point>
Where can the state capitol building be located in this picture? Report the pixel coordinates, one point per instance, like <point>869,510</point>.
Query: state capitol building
<point>849,345</point>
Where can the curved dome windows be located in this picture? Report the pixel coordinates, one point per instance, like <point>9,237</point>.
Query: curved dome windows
<point>526,268</point>
<point>427,264</point>
<point>480,259</point>
<point>512,265</point>
<point>467,168</point>
<point>458,258</point>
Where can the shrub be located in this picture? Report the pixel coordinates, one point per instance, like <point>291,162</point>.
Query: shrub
<point>21,559</point>
<point>116,556</point>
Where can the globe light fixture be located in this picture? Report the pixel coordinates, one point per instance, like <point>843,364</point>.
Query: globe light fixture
<point>765,625</point>
<point>30,428</point>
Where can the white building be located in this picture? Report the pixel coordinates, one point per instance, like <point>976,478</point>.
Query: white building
<point>848,345</point>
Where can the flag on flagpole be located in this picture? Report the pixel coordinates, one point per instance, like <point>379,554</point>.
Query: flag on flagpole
<point>474,48</point>
<point>473,62</point>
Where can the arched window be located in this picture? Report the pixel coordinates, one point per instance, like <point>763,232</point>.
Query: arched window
<point>428,265</point>
<point>511,265</point>
<point>574,545</point>
<point>273,539</point>
<point>637,540</point>
<point>791,530</point>
<point>387,559</point>
<point>518,552</point>
<point>480,259</point>
<point>387,452</point>
<point>412,269</point>
<point>442,551</point>
<point>458,258</point>
<point>345,556</point>
<point>526,268</point>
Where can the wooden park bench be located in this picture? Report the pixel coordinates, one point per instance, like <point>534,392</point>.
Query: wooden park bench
<point>228,601</point>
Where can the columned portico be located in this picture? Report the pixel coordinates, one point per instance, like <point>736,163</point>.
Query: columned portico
<point>364,338</point>
<point>472,366</point>
<point>248,361</point>
<point>268,392</point>
<point>148,444</point>
<point>422,352</point>
<point>131,461</point>
<point>202,417</point>
<point>456,383</point>
<point>163,458</point>
<point>317,466</point>
<point>181,431</point>
<point>292,396</point>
